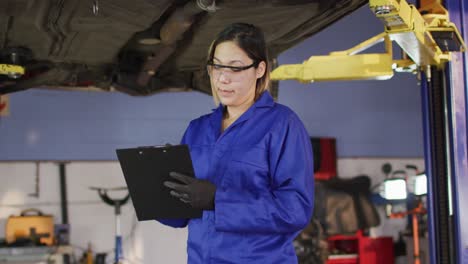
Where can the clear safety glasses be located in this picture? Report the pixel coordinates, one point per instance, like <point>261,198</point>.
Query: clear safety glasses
<point>234,73</point>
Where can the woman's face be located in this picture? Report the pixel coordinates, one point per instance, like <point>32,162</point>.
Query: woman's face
<point>234,86</point>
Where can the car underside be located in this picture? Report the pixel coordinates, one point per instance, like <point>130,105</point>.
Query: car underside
<point>142,46</point>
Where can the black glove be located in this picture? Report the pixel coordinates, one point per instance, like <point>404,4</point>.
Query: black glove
<point>198,193</point>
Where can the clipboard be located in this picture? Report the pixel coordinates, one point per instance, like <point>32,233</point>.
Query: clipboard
<point>145,169</point>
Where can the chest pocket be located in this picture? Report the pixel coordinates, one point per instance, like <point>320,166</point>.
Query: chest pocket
<point>248,169</point>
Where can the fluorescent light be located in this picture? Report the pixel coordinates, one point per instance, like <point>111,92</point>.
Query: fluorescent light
<point>395,189</point>
<point>420,184</point>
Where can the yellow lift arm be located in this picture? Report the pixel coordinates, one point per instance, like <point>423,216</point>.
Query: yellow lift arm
<point>13,71</point>
<point>425,39</point>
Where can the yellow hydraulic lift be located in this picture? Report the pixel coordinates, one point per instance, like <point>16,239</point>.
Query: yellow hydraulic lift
<point>13,71</point>
<point>426,37</point>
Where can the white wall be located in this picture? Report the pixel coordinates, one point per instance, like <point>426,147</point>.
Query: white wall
<point>93,221</point>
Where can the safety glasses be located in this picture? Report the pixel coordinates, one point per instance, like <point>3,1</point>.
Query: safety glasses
<point>232,72</point>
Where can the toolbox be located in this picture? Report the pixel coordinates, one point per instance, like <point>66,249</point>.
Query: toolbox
<point>31,225</point>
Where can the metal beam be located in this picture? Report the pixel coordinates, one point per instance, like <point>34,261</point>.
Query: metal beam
<point>458,85</point>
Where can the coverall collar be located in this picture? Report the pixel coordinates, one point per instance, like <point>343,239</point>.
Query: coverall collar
<point>265,100</point>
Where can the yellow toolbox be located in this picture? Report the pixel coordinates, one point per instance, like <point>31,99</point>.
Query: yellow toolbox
<point>30,224</point>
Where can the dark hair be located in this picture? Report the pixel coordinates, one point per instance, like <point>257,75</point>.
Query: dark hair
<point>252,41</point>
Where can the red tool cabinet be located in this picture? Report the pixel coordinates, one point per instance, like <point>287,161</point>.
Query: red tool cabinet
<point>360,249</point>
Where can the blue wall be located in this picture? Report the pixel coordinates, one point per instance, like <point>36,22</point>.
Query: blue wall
<point>62,125</point>
<point>368,118</point>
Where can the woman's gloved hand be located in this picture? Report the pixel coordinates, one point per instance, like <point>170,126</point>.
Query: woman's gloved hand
<point>198,193</point>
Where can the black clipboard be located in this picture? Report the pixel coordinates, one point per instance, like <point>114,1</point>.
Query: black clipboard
<point>145,169</point>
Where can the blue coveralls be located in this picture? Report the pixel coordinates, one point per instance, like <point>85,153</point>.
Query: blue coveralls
<point>262,166</point>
